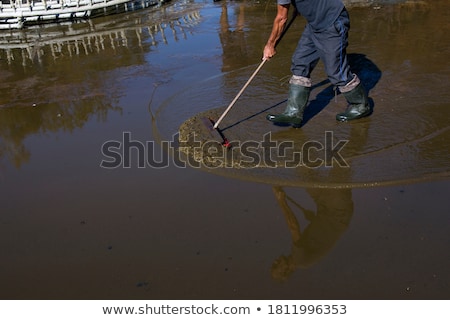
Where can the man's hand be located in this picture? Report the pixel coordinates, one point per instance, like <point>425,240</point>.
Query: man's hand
<point>269,52</point>
<point>277,29</point>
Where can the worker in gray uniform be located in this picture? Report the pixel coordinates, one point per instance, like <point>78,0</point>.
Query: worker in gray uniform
<point>325,38</point>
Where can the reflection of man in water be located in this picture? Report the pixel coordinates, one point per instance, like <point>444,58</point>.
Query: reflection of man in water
<point>325,227</point>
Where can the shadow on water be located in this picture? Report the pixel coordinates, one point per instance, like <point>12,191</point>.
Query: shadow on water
<point>264,111</point>
<point>366,70</point>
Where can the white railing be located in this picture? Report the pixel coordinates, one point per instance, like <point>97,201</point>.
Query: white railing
<point>17,13</point>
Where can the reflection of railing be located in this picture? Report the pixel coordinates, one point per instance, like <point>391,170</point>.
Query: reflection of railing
<point>52,96</point>
<point>18,13</point>
<point>91,38</point>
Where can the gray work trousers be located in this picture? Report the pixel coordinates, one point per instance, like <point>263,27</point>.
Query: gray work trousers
<point>328,45</point>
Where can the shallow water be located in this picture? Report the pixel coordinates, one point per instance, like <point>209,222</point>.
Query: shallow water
<point>71,229</point>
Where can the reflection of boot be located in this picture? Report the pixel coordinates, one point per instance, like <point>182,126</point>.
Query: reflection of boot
<point>298,98</point>
<point>358,102</point>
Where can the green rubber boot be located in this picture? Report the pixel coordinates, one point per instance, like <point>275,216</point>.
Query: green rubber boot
<point>293,114</point>
<point>358,104</point>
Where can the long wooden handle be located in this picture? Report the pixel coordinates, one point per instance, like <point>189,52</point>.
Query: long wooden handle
<point>253,75</point>
<point>239,94</point>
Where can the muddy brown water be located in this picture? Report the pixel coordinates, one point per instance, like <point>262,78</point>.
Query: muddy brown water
<point>98,204</point>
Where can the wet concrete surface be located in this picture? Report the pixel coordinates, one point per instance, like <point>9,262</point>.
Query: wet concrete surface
<point>149,226</point>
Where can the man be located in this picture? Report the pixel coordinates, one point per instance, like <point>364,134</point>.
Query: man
<point>325,38</point>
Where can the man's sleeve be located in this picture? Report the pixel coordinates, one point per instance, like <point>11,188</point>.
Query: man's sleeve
<point>283,2</point>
